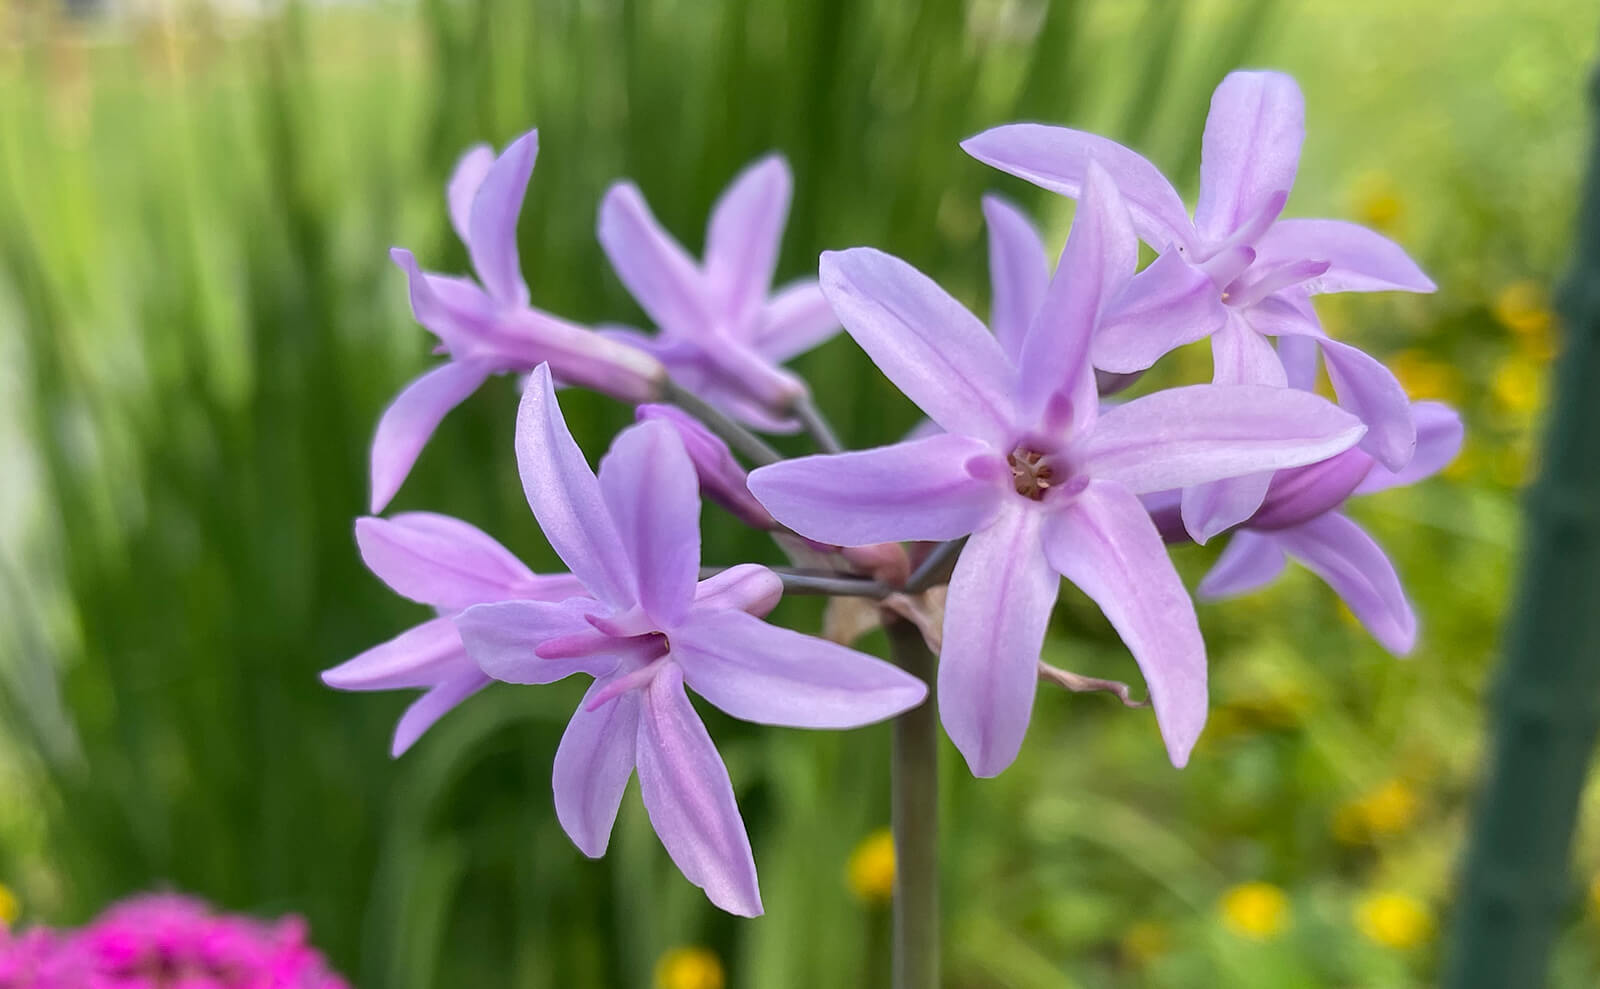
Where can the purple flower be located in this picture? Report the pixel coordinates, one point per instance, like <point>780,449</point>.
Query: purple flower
<point>722,335</point>
<point>645,629</point>
<point>487,326</point>
<point>1300,517</point>
<point>1044,482</point>
<point>1263,268</point>
<point>443,562</point>
<point>721,478</point>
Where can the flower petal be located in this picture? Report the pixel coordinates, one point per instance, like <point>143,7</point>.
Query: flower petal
<point>441,561</point>
<point>1019,272</point>
<point>745,232</point>
<point>921,489</point>
<point>1341,553</point>
<point>722,479</point>
<point>566,497</point>
<point>1250,151</point>
<point>492,225</point>
<point>796,318</point>
<point>776,676</point>
<point>1371,391</point>
<point>927,343</point>
<point>503,638</point>
<point>410,420</point>
<point>1168,304</point>
<point>1362,260</point>
<point>431,706</point>
<point>1439,436</point>
<point>1186,436</point>
<point>651,490</point>
<point>690,800</point>
<point>747,587</point>
<point>1057,158</point>
<point>1104,542</point>
<point>996,612</point>
<point>467,177</point>
<point>592,767</point>
<point>665,281</point>
<point>1251,560</point>
<point>1298,355</point>
<point>420,656</point>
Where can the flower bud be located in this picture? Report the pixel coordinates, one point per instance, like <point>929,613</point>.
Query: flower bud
<point>721,478</point>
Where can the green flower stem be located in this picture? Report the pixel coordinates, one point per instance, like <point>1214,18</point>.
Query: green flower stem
<point>914,800</point>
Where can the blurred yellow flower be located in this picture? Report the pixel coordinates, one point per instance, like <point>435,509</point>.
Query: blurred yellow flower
<point>1387,809</point>
<point>1424,376</point>
<point>1594,893</point>
<point>689,967</point>
<point>1518,384</point>
<point>1521,307</point>
<point>1394,920</point>
<point>10,906</point>
<point>1377,201</point>
<point>1146,940</point>
<point>871,869</point>
<point>1259,911</point>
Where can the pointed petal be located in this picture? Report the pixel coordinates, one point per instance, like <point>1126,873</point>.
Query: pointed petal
<point>1371,391</point>
<point>1341,553</point>
<point>927,343</point>
<point>456,310</point>
<point>796,318</point>
<point>918,490</point>
<point>722,478</point>
<point>1362,260</point>
<point>469,173</point>
<point>1098,259</point>
<point>1251,560</point>
<point>503,639</point>
<point>1298,355</point>
<point>690,800</point>
<point>1019,272</point>
<point>665,281</point>
<point>418,657</point>
<point>431,706</point>
<point>996,612</point>
<point>1186,436</point>
<point>747,587</point>
<point>1057,158</point>
<point>745,232</point>
<point>1251,149</point>
<point>651,490</point>
<point>566,498</point>
<point>493,222</point>
<point>410,420</point>
<point>776,676</point>
<point>439,560</point>
<point>592,767</point>
<point>1168,304</point>
<point>1104,542</point>
<point>1439,437</point>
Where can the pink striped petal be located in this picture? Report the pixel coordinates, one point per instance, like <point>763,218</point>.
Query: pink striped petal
<point>1019,272</point>
<point>409,422</point>
<point>1372,392</point>
<point>1001,595</point>
<point>796,319</point>
<point>426,710</point>
<point>653,495</point>
<point>492,224</point>
<point>503,639</point>
<point>1168,304</point>
<point>745,232</point>
<point>776,676</point>
<point>1341,553</point>
<point>665,281</point>
<point>592,767</point>
<point>1251,149</point>
<point>470,171</point>
<point>747,587</point>
<point>418,657</point>
<point>1439,437</point>
<point>1104,542</point>
<point>440,561</point>
<point>690,800</point>
<point>1360,259</point>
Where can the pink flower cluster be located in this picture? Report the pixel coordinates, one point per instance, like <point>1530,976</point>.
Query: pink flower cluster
<point>163,941</point>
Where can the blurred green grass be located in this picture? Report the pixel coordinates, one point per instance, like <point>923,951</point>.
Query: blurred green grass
<point>199,326</point>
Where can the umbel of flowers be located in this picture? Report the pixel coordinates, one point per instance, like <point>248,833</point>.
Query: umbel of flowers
<point>1028,471</point>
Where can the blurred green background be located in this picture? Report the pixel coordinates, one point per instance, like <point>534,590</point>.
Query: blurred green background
<point>199,327</point>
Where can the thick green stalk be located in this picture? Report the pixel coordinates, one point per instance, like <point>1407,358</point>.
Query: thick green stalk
<point>914,796</point>
<point>1515,884</point>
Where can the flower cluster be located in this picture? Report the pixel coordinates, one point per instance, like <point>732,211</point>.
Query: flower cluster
<point>1028,471</point>
<point>157,941</point>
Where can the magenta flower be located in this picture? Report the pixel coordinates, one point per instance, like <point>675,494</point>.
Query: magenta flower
<point>1044,482</point>
<point>722,335</point>
<point>487,326</point>
<point>647,627</point>
<point>1300,517</point>
<point>159,941</point>
<point>443,562</point>
<point>1263,268</point>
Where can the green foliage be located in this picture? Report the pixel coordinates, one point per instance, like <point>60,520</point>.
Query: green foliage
<point>199,327</point>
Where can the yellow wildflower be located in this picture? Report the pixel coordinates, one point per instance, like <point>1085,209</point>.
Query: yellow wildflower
<point>689,967</point>
<point>1518,384</point>
<point>871,869</point>
<point>1394,920</point>
<point>1145,941</point>
<point>1521,307</point>
<point>10,906</point>
<point>1387,809</point>
<point>1258,911</point>
<point>1424,376</point>
<point>1377,201</point>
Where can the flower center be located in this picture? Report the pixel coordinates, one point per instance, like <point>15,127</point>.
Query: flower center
<point>1031,473</point>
